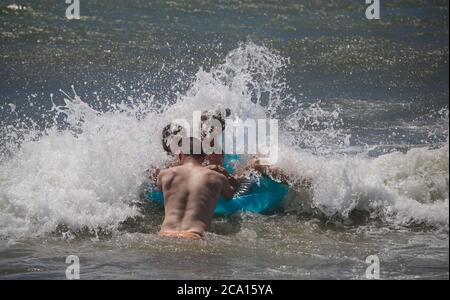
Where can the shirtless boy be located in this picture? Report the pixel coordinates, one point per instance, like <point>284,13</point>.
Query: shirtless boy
<point>191,193</point>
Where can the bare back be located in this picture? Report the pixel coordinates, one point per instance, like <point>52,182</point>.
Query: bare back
<point>191,193</point>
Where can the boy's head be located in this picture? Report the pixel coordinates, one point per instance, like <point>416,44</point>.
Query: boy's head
<point>209,125</point>
<point>213,124</point>
<point>207,119</point>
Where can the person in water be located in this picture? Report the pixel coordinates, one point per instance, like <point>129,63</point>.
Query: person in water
<point>213,161</point>
<point>191,192</point>
<point>171,130</point>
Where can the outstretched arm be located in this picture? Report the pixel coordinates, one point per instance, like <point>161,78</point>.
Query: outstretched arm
<point>275,173</point>
<point>279,175</point>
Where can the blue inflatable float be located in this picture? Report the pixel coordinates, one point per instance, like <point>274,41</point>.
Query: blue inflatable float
<point>262,197</point>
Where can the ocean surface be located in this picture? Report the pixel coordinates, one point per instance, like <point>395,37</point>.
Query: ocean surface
<point>362,107</point>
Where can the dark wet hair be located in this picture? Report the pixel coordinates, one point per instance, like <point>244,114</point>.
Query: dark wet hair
<point>170,130</point>
<point>217,115</point>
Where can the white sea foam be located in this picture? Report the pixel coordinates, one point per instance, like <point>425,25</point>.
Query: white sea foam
<point>396,187</point>
<point>88,174</point>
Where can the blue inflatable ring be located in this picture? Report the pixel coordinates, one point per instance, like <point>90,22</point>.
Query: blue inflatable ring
<point>262,198</point>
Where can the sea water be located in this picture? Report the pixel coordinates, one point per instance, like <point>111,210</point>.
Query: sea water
<point>362,108</point>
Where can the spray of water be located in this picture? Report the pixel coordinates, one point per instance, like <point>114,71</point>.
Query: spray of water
<point>84,169</point>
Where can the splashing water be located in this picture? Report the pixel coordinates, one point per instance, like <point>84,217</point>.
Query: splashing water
<point>84,169</point>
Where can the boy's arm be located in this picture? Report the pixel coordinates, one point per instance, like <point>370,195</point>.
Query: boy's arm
<point>228,190</point>
<point>280,175</point>
<point>271,171</point>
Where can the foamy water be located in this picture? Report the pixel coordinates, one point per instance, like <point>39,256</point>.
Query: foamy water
<point>84,170</point>
<point>363,110</point>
